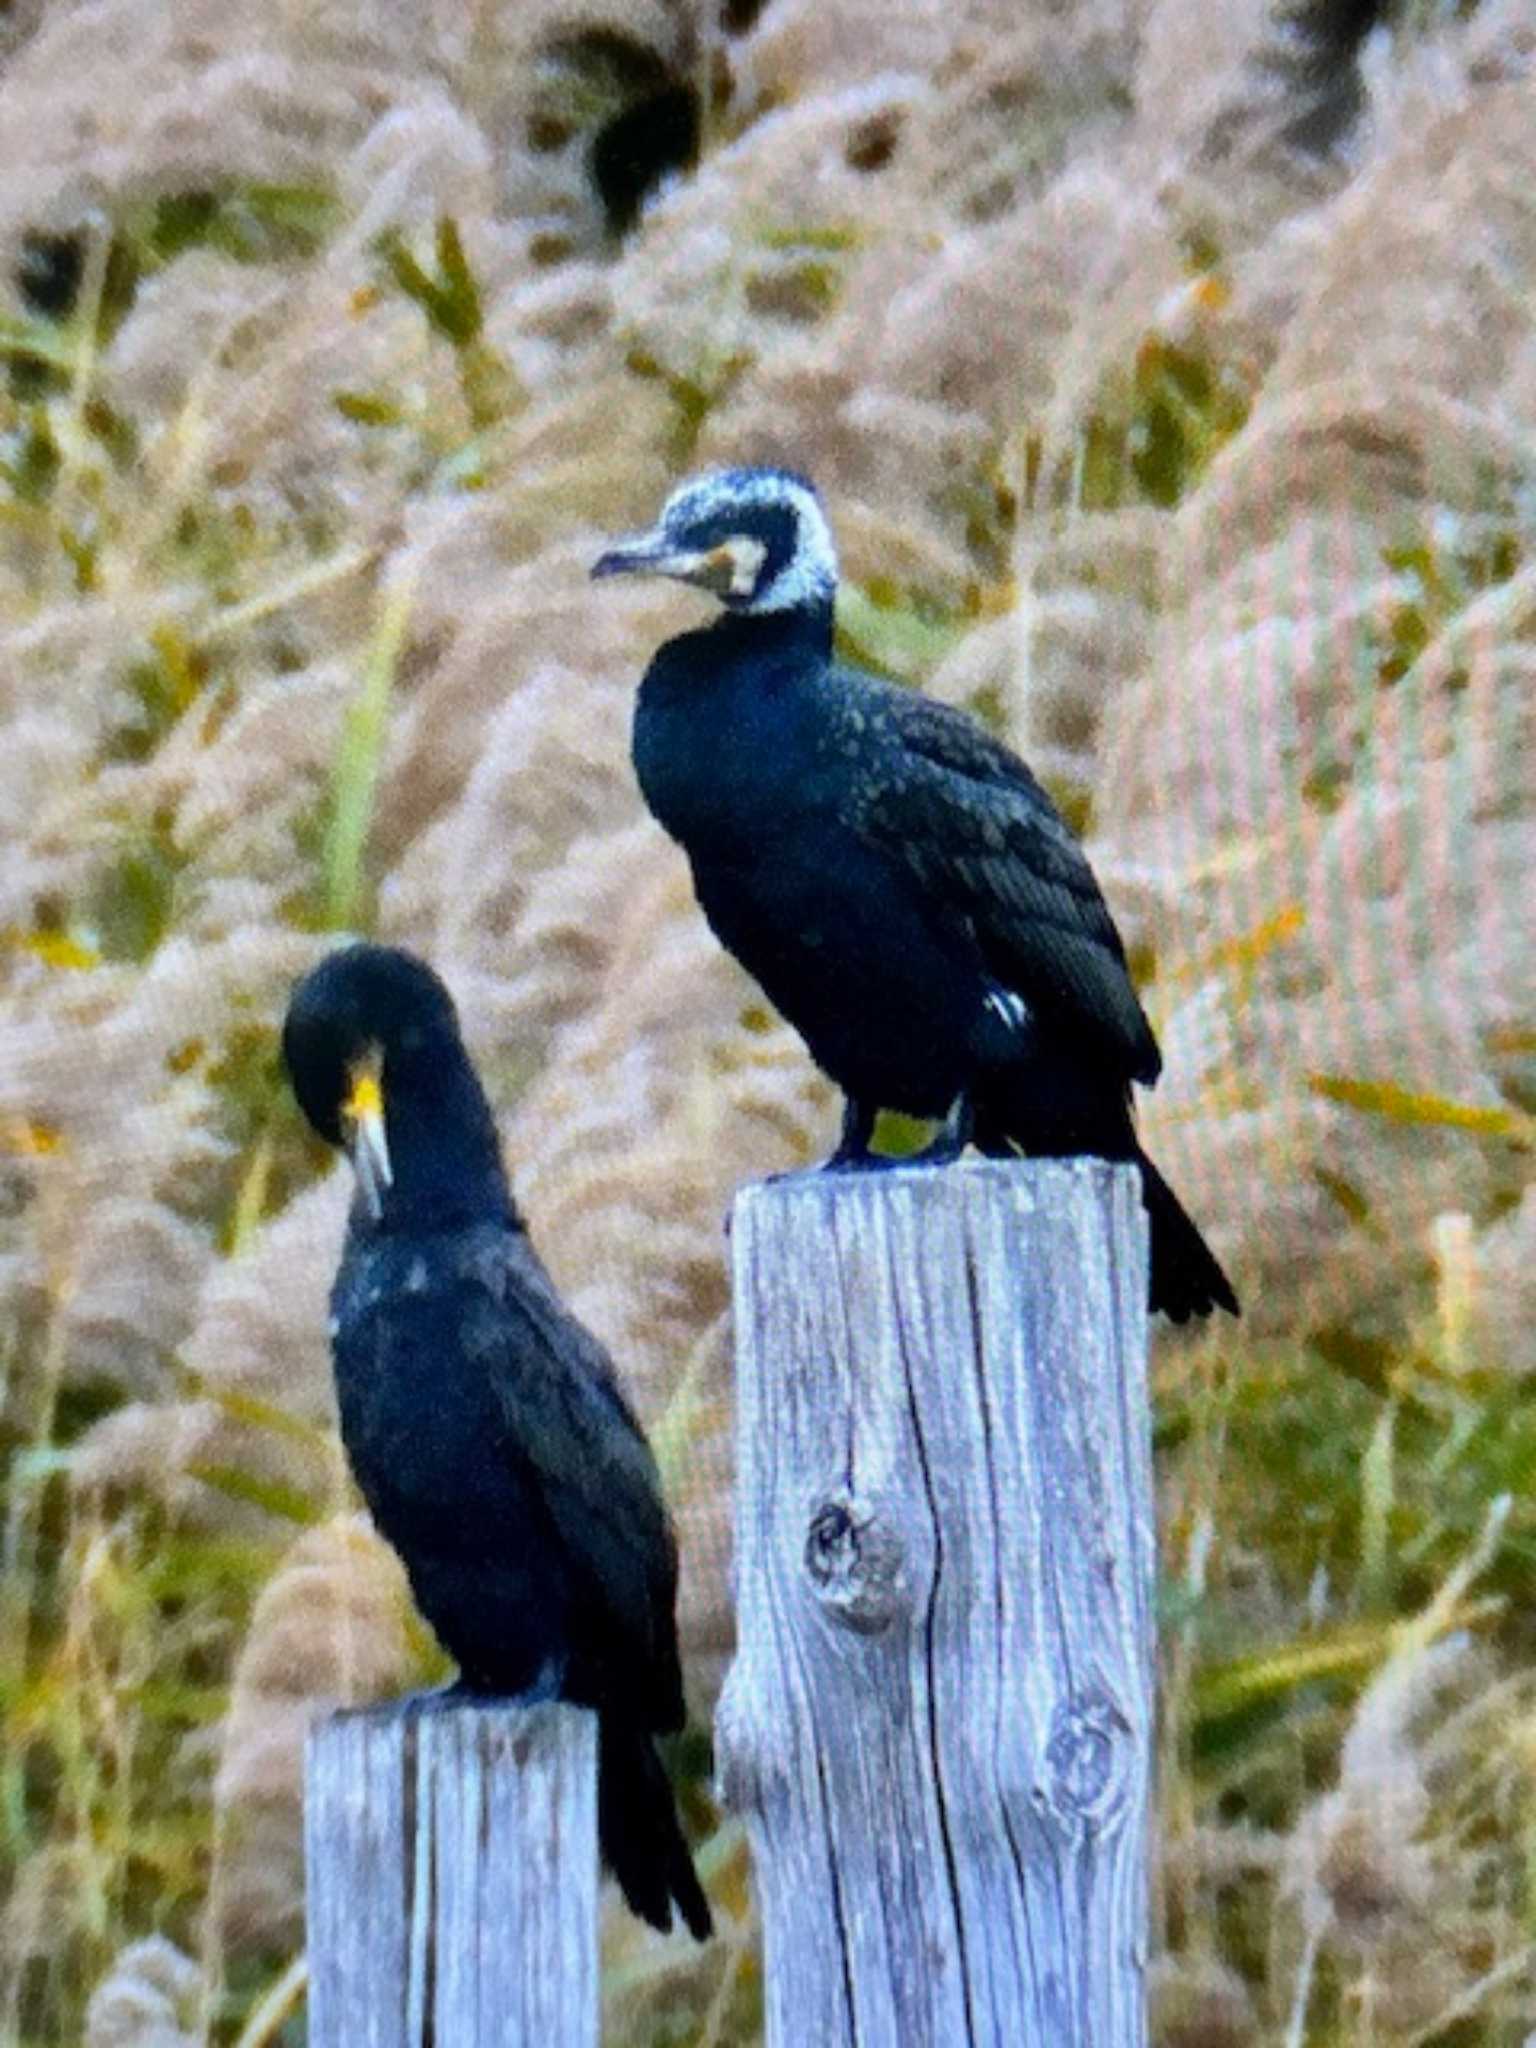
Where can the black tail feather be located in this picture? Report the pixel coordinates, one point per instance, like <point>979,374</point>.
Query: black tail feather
<point>1186,1280</point>
<point>641,1836</point>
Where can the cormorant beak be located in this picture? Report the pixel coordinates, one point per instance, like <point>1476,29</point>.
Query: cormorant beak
<point>728,570</point>
<point>362,1123</point>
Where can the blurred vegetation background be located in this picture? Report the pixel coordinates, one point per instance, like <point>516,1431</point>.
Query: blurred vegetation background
<point>1171,374</point>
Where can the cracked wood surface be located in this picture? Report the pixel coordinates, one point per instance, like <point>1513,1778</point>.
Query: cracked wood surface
<point>939,1721</point>
<point>451,1869</point>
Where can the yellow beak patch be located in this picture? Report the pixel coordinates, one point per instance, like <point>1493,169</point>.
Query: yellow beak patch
<point>365,1097</point>
<point>362,1114</point>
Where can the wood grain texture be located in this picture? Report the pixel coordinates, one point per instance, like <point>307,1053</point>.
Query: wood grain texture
<point>939,1722</point>
<point>452,1878</point>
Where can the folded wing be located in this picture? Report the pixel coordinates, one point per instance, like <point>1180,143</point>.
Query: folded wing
<point>970,820</point>
<point>568,1423</point>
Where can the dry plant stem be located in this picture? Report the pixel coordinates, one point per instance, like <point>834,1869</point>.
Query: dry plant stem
<point>1475,1996</point>
<point>277,2007</point>
<point>451,1855</point>
<point>1296,2031</point>
<point>939,1722</point>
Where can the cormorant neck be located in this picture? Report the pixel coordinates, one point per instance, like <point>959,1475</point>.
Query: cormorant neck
<point>803,630</point>
<point>444,1154</point>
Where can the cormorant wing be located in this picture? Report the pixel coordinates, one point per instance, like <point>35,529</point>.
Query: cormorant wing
<point>965,814</point>
<point>568,1423</point>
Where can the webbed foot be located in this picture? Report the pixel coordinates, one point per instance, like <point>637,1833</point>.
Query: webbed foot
<point>852,1154</point>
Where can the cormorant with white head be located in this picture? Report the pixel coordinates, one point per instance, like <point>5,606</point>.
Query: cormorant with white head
<point>895,878</point>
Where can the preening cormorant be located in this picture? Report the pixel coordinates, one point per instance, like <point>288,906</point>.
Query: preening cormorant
<point>484,1425</point>
<point>895,878</point>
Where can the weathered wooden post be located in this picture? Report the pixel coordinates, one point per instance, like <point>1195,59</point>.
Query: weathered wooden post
<point>451,1862</point>
<point>939,1720</point>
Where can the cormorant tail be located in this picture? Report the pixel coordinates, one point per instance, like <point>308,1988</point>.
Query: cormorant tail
<point>641,1836</point>
<point>1186,1280</point>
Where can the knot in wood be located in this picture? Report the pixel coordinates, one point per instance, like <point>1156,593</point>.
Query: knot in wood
<point>1088,1760</point>
<point>853,1557</point>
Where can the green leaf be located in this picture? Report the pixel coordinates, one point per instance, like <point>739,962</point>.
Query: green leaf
<point>248,1408</point>
<point>355,778</point>
<point>133,901</point>
<point>1270,1674</point>
<point>1412,1106</point>
<point>368,408</point>
<point>298,218</point>
<point>410,277</point>
<point>286,1503</point>
<point>460,292</point>
<point>1377,1492</point>
<point>40,341</point>
<point>904,641</point>
<point>451,301</point>
<point>256,223</point>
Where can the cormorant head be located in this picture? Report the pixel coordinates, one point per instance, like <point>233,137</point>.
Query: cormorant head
<point>363,1019</point>
<point>756,538</point>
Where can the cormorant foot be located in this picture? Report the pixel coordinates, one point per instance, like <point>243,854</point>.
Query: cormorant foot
<point>548,1684</point>
<point>853,1154</point>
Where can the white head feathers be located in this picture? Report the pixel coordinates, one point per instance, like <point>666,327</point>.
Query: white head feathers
<point>779,511</point>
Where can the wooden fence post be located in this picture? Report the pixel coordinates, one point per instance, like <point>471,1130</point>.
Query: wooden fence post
<point>939,1720</point>
<point>451,1870</point>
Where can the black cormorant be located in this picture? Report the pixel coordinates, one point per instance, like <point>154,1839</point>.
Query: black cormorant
<point>894,877</point>
<point>484,1425</point>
